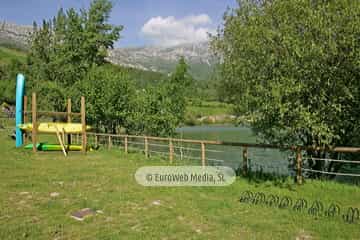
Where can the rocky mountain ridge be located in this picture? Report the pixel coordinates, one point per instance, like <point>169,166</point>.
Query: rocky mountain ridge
<point>14,34</point>
<point>150,58</point>
<point>164,59</point>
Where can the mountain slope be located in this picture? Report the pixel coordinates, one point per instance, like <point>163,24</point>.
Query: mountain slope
<point>152,58</point>
<point>164,59</point>
<point>14,35</point>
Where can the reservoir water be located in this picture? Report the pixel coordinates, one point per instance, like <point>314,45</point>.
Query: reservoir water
<point>267,160</point>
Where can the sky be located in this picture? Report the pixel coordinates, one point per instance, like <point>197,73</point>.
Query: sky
<point>146,22</point>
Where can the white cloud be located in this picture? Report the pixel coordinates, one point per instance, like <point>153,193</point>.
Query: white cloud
<point>169,31</point>
<point>197,19</point>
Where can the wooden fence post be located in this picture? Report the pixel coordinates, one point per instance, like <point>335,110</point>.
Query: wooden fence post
<point>203,158</point>
<point>34,123</point>
<point>146,147</point>
<point>24,135</point>
<point>68,120</point>
<point>126,144</point>
<point>245,161</point>
<point>109,142</point>
<point>95,140</point>
<point>83,124</point>
<point>299,179</point>
<point>171,151</point>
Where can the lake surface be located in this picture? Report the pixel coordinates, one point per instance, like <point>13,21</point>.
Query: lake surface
<point>222,133</point>
<point>268,160</point>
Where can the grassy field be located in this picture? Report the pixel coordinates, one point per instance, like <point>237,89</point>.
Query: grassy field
<point>104,180</point>
<point>198,109</point>
<point>8,54</point>
<point>207,108</point>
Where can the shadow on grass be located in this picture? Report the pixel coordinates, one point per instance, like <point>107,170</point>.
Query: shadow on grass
<point>274,179</point>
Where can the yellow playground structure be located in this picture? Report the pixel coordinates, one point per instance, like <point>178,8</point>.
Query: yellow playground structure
<point>61,129</point>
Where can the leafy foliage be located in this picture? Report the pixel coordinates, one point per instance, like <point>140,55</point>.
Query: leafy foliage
<point>181,85</point>
<point>108,93</point>
<point>8,74</point>
<point>161,107</point>
<point>63,50</point>
<point>294,66</point>
<point>153,113</point>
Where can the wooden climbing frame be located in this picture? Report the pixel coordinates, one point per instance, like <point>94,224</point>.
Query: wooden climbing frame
<point>60,133</point>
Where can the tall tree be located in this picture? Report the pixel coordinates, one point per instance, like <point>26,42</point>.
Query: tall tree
<point>65,48</point>
<point>179,87</point>
<point>99,34</point>
<point>294,66</point>
<point>109,94</point>
<point>160,108</point>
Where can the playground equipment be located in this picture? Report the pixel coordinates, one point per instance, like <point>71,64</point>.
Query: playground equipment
<point>53,147</point>
<point>61,129</point>
<point>53,127</point>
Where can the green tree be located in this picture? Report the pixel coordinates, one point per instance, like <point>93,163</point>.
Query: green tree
<point>99,35</point>
<point>294,66</point>
<point>160,108</point>
<point>8,74</point>
<point>153,113</point>
<point>109,94</point>
<point>178,87</point>
<point>64,49</point>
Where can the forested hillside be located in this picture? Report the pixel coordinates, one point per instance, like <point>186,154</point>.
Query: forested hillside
<point>12,57</point>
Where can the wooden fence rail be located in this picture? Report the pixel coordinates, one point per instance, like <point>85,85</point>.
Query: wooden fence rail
<point>236,144</point>
<point>144,140</point>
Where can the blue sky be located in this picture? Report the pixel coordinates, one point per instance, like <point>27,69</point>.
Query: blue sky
<point>146,22</point>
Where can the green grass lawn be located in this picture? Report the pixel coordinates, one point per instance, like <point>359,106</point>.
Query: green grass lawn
<point>198,109</point>
<point>207,108</point>
<point>104,180</point>
<point>8,54</point>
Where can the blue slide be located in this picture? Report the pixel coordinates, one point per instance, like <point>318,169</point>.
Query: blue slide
<point>20,92</point>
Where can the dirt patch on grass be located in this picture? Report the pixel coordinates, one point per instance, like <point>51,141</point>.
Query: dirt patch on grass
<point>303,235</point>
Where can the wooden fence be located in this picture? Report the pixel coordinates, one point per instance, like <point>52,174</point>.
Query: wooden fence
<point>202,147</point>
